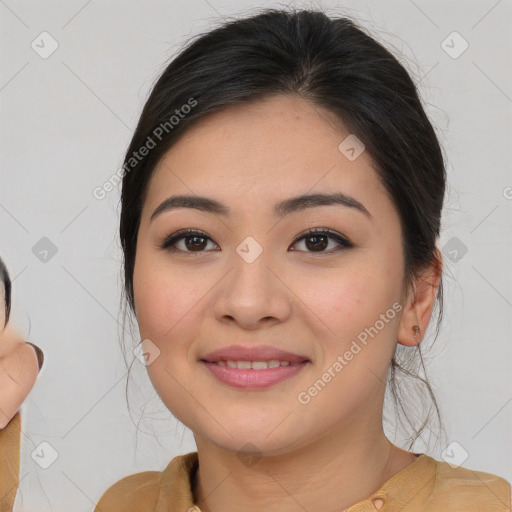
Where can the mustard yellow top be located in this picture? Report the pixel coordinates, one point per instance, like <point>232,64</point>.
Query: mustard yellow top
<point>9,462</point>
<point>426,485</point>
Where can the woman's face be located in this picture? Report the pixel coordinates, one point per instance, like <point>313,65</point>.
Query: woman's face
<point>245,281</point>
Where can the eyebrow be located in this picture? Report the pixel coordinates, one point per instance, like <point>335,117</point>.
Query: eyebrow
<point>292,205</point>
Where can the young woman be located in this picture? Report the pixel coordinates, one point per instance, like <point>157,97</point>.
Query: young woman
<point>281,204</point>
<point>20,363</point>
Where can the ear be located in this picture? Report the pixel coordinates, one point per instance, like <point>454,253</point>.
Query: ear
<point>419,303</point>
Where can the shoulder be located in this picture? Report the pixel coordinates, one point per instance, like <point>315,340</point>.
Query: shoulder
<point>459,488</point>
<point>134,492</point>
<point>152,490</point>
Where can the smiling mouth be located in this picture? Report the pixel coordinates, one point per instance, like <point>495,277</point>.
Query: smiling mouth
<point>254,365</point>
<point>253,375</point>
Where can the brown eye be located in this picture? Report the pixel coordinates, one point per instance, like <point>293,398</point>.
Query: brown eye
<point>194,241</point>
<point>317,240</point>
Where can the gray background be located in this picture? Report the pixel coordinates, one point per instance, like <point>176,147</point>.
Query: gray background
<point>66,121</point>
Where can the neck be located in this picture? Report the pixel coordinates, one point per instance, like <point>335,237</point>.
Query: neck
<point>331,474</point>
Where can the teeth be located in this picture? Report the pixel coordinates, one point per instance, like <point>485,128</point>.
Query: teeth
<point>255,365</point>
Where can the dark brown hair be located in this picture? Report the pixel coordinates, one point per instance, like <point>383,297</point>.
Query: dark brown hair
<point>6,282</point>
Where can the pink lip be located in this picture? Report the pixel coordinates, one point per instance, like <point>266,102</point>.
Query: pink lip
<point>261,353</point>
<point>253,379</point>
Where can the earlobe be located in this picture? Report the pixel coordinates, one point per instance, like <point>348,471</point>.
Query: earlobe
<point>408,335</point>
<point>419,304</point>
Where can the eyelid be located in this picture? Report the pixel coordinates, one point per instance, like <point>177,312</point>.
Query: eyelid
<point>168,241</point>
<point>343,240</point>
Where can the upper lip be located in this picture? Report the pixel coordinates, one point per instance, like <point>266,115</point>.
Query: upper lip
<point>260,353</point>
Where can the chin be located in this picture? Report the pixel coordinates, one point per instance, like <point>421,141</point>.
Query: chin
<point>251,441</point>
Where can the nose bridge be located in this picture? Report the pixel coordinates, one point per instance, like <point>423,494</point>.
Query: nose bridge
<point>251,262</point>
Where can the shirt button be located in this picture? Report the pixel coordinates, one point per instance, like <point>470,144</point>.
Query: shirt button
<point>378,503</point>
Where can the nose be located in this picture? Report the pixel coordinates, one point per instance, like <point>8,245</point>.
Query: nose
<point>253,293</point>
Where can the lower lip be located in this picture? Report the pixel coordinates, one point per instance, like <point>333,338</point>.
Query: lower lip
<point>253,379</point>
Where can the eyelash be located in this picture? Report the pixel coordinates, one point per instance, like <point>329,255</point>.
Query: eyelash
<point>343,242</point>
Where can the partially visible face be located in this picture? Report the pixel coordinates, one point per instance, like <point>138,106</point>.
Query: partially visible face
<point>310,296</point>
<point>19,368</point>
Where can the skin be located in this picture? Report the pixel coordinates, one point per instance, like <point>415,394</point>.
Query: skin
<point>18,373</point>
<point>332,452</point>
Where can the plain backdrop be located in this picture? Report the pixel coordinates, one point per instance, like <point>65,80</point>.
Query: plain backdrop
<point>66,120</point>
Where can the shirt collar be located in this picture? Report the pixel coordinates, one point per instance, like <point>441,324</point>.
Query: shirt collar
<point>411,485</point>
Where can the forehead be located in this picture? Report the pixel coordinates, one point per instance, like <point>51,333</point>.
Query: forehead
<point>263,151</point>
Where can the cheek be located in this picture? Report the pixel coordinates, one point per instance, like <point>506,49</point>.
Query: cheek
<point>164,300</point>
<point>353,308</point>
<point>166,303</point>
<point>348,298</point>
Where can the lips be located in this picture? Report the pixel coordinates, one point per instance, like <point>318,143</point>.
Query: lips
<point>260,353</point>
